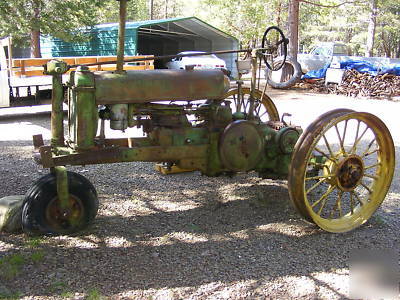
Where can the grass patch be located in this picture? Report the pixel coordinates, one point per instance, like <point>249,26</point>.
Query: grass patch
<point>379,220</point>
<point>94,294</point>
<point>37,256</point>
<point>194,228</point>
<point>67,295</point>
<point>11,265</point>
<point>34,242</point>
<point>61,288</point>
<point>7,295</point>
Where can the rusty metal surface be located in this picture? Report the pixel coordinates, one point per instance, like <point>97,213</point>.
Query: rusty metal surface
<point>159,85</point>
<point>82,114</point>
<point>57,114</point>
<point>241,146</point>
<point>62,187</point>
<point>46,157</point>
<point>37,141</point>
<point>114,154</point>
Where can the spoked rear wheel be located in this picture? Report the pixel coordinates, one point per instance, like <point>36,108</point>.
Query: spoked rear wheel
<point>341,169</point>
<point>264,108</point>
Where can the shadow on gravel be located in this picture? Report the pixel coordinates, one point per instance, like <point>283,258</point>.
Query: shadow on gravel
<point>221,231</point>
<point>241,240</point>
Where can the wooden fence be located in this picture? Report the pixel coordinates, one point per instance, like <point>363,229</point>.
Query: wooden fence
<point>25,77</point>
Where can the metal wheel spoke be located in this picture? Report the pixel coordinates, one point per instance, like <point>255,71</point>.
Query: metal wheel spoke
<point>369,153</point>
<point>324,196</point>
<point>341,140</point>
<point>337,206</point>
<point>316,164</point>
<point>340,203</point>
<point>259,104</point>
<point>354,148</point>
<point>322,166</point>
<point>371,176</point>
<point>368,147</point>
<point>351,203</point>
<point>357,131</point>
<point>366,187</point>
<point>328,146</point>
<point>245,103</point>
<point>318,177</point>
<point>358,198</point>
<point>325,155</point>
<point>344,133</point>
<point>315,186</point>
<point>372,166</point>
<point>236,101</point>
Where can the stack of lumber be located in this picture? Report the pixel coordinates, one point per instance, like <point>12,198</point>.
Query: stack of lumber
<point>356,84</point>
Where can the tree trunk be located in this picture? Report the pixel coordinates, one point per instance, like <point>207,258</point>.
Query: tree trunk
<point>151,9</point>
<point>371,28</point>
<point>35,43</point>
<point>278,14</point>
<point>398,51</point>
<point>293,28</point>
<point>35,32</point>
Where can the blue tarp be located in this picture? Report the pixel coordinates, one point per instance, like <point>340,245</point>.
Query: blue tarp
<point>316,74</point>
<point>358,65</point>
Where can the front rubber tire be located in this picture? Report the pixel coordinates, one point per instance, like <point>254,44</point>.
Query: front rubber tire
<point>40,213</point>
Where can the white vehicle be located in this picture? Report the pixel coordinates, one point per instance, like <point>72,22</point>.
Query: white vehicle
<point>321,55</point>
<point>206,61</point>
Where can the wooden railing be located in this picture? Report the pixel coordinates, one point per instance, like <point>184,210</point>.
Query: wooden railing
<point>26,67</point>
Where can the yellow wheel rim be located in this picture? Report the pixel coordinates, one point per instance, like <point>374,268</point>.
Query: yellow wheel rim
<point>264,108</point>
<point>342,170</point>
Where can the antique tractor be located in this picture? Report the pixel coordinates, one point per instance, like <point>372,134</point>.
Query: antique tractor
<point>339,169</point>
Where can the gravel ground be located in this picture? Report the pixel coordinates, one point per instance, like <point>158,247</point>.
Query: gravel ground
<point>187,236</point>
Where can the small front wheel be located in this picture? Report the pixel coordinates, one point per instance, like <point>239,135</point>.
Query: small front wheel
<point>42,214</point>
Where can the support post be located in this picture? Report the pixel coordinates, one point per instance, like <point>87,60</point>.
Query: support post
<point>253,83</point>
<point>62,187</point>
<point>121,36</point>
<point>293,21</point>
<point>56,68</point>
<point>57,114</point>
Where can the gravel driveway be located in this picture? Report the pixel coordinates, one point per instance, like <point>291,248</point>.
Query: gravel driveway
<point>188,236</point>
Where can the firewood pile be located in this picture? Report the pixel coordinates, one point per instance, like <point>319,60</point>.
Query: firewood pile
<point>365,85</point>
<point>357,84</point>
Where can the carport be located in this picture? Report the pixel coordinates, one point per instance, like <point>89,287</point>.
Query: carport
<point>157,37</point>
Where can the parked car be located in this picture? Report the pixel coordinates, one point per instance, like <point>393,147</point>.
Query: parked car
<point>205,61</point>
<point>320,55</point>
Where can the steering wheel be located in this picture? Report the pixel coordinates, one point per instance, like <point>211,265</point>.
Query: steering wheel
<point>274,44</point>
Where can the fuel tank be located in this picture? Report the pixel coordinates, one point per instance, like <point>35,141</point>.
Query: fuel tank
<point>142,86</point>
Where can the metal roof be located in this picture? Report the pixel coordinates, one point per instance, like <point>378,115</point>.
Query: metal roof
<point>157,37</point>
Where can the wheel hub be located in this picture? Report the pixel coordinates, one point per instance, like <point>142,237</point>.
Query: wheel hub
<point>63,219</point>
<point>349,173</point>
